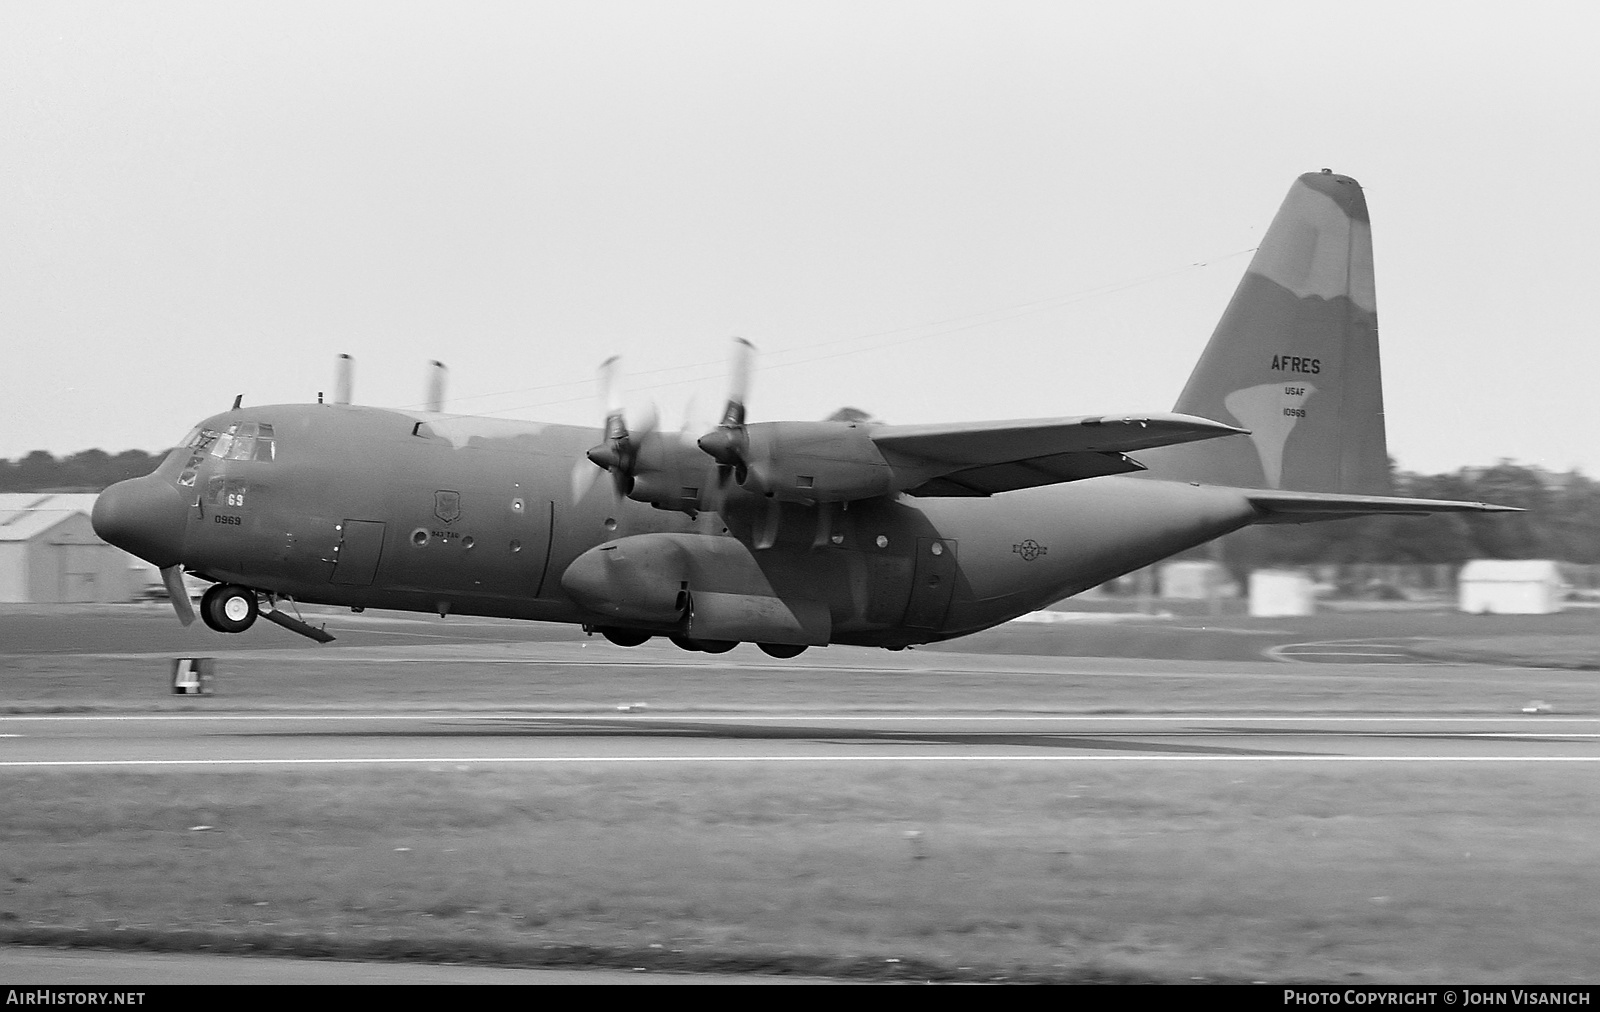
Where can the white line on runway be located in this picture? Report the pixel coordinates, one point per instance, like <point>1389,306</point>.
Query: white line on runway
<point>642,717</point>
<point>1344,654</point>
<point>571,760</point>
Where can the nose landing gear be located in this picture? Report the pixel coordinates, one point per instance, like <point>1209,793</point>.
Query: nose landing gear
<point>229,608</point>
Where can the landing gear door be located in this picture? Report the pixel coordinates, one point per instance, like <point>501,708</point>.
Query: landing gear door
<point>360,546</point>
<point>932,584</point>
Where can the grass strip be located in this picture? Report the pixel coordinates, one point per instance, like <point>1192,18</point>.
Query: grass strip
<point>1104,873</point>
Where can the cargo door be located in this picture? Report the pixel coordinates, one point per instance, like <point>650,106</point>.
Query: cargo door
<point>932,584</point>
<point>360,546</point>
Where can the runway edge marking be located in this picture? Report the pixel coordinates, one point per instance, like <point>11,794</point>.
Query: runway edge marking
<point>572,760</point>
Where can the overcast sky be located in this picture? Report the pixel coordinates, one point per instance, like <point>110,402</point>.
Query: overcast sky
<point>931,211</point>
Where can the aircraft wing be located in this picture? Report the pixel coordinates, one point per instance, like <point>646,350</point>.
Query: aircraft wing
<point>1304,507</point>
<point>982,458</point>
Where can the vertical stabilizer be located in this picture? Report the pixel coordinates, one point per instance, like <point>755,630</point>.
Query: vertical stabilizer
<point>1295,358</point>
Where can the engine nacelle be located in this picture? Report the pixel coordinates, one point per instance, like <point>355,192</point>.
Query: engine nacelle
<point>815,462</point>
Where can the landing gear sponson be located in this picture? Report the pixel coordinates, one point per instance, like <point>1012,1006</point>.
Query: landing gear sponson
<point>634,637</point>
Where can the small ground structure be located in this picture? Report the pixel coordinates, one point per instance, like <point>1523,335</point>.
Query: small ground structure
<point>49,552</point>
<point>1511,587</point>
<point>1195,581</point>
<point>1281,592</point>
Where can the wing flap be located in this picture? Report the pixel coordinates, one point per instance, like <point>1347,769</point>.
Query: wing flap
<point>975,443</point>
<point>1006,477</point>
<point>978,459</point>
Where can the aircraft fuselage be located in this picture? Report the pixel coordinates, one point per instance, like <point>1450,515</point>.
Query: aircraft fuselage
<point>376,508</point>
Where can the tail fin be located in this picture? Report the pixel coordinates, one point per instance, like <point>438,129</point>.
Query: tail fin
<point>1295,358</point>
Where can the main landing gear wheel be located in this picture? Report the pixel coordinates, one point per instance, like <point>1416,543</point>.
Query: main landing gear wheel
<point>783,651</point>
<point>229,608</point>
<point>704,646</point>
<point>625,637</point>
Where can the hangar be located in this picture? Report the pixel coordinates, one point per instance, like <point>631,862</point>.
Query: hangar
<point>49,552</point>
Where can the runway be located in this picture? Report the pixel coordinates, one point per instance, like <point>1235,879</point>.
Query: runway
<point>430,739</point>
<point>471,759</point>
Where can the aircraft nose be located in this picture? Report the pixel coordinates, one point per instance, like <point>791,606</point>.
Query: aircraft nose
<point>144,517</point>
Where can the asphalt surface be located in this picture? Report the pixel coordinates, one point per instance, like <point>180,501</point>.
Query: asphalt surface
<point>190,741</point>
<point>30,966</point>
<point>913,728</point>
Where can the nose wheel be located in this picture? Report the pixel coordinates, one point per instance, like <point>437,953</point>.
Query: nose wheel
<point>229,608</point>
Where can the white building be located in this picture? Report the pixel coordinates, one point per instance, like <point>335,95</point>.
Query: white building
<point>1511,587</point>
<point>1195,580</point>
<point>49,552</point>
<point>1277,592</point>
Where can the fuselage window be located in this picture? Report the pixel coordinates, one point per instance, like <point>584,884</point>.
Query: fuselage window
<point>225,492</point>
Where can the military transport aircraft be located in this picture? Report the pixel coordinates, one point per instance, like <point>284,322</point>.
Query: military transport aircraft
<point>789,534</point>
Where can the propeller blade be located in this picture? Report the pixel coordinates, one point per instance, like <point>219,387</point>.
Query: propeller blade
<point>744,354</point>
<point>611,397</point>
<point>583,476</point>
<point>729,444</point>
<point>172,577</point>
<point>767,536</point>
<point>689,427</point>
<point>617,449</point>
<point>648,421</point>
<point>622,481</point>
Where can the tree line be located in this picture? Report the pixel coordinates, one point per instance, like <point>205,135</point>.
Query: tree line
<point>89,471</point>
<point>1562,522</point>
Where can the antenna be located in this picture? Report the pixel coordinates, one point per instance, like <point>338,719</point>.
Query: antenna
<point>436,377</point>
<point>344,373</point>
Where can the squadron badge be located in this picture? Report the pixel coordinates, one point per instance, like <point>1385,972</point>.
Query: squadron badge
<point>447,506</point>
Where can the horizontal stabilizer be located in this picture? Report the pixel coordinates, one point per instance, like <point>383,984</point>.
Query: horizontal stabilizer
<point>1279,507</point>
<point>983,458</point>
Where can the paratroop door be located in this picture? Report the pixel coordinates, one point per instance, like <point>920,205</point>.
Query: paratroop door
<point>932,584</point>
<point>360,547</point>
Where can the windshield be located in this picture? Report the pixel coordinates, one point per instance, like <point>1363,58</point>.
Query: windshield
<point>240,441</point>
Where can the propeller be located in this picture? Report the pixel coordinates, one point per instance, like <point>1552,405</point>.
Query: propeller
<point>618,450</point>
<point>729,443</point>
<point>172,577</point>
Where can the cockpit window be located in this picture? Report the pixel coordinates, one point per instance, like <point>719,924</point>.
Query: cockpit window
<point>201,440</point>
<point>240,441</point>
<point>264,443</point>
<point>243,444</point>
